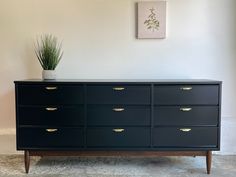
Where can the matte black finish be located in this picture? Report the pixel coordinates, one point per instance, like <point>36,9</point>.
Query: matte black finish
<point>132,94</point>
<point>196,137</point>
<point>176,95</point>
<point>196,116</point>
<point>60,116</point>
<point>39,138</point>
<point>106,115</point>
<point>39,95</point>
<point>148,111</point>
<point>120,81</point>
<point>107,137</point>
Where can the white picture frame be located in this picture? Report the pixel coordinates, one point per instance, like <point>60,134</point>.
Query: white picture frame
<point>152,20</point>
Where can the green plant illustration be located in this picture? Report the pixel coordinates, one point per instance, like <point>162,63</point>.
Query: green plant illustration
<point>152,23</point>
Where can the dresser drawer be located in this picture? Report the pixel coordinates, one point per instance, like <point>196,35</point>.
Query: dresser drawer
<point>108,115</point>
<point>50,94</point>
<point>185,137</point>
<point>186,115</point>
<point>118,94</point>
<point>52,115</point>
<point>50,138</point>
<point>186,95</point>
<point>118,137</point>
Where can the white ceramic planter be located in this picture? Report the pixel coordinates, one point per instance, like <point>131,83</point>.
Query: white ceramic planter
<point>49,74</point>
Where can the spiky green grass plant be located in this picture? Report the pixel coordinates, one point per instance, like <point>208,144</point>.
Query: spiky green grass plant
<point>48,52</point>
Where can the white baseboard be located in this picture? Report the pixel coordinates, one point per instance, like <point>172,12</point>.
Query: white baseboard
<point>228,136</point>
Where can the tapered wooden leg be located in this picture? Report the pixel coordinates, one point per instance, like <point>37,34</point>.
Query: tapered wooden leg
<point>208,161</point>
<point>27,161</point>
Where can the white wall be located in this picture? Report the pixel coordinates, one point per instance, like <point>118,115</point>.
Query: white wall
<point>99,42</point>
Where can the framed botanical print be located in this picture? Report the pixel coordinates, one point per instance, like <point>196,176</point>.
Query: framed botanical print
<point>152,20</point>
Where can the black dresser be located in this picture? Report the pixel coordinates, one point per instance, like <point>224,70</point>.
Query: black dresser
<point>118,117</point>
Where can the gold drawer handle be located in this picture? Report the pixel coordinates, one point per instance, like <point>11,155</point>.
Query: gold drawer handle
<point>51,109</point>
<point>118,130</point>
<point>186,88</point>
<point>51,130</point>
<point>118,109</point>
<point>118,88</point>
<point>185,109</point>
<point>50,88</point>
<point>185,129</point>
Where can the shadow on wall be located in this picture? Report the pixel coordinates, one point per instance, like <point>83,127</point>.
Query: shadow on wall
<point>32,65</point>
<point>7,106</point>
<point>136,20</point>
<point>25,66</point>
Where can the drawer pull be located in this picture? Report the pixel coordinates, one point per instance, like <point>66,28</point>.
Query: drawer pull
<point>118,109</point>
<point>51,109</point>
<point>185,109</point>
<point>118,130</point>
<point>50,130</point>
<point>50,88</point>
<point>118,88</point>
<point>186,88</point>
<point>185,129</point>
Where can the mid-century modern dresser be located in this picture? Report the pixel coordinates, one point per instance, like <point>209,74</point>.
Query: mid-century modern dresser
<point>118,117</point>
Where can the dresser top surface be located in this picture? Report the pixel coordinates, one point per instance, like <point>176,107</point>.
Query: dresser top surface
<point>107,81</point>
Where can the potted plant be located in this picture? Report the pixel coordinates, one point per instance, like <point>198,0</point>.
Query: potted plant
<point>49,54</point>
